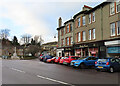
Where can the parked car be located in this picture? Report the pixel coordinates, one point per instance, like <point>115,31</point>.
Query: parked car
<point>108,64</point>
<point>57,59</point>
<point>69,59</point>
<point>61,60</point>
<point>52,60</point>
<point>85,62</point>
<point>47,57</point>
<point>41,58</point>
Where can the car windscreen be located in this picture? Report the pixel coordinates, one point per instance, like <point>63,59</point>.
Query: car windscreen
<point>62,58</point>
<point>102,60</point>
<point>66,57</point>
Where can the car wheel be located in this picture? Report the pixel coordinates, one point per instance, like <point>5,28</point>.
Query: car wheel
<point>82,65</point>
<point>111,70</point>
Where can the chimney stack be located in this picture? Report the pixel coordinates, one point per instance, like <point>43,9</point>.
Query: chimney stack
<point>60,22</point>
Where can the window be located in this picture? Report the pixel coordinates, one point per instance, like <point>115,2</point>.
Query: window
<point>84,36</point>
<point>78,22</point>
<point>89,18</point>
<point>79,37</point>
<point>93,33</point>
<point>112,8</point>
<point>67,41</point>
<point>118,28</point>
<point>67,28</point>
<point>90,34</point>
<point>62,31</point>
<point>93,17</point>
<point>71,40</point>
<point>62,42</point>
<point>118,6</point>
<point>70,27</point>
<point>83,20</point>
<point>113,29</point>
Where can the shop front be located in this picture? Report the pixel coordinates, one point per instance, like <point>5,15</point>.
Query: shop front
<point>68,51</point>
<point>113,48</point>
<point>90,49</point>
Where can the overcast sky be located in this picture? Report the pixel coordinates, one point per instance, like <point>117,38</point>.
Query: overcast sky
<point>38,17</point>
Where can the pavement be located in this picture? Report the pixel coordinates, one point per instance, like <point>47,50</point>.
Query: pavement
<point>36,72</point>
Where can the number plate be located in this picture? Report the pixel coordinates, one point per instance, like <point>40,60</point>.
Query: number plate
<point>100,67</point>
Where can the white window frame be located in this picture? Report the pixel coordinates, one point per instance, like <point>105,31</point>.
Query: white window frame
<point>117,4</point>
<point>83,20</point>
<point>79,37</point>
<point>93,34</point>
<point>89,18</point>
<point>71,40</point>
<point>112,7</point>
<point>67,28</point>
<point>67,40</point>
<point>118,27</point>
<point>112,29</point>
<point>93,17</point>
<point>84,36</point>
<point>71,28</point>
<point>79,22</point>
<point>90,34</point>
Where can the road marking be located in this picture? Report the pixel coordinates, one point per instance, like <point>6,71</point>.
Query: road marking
<point>18,70</point>
<point>61,82</point>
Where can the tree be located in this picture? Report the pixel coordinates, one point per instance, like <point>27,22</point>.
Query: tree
<point>15,41</point>
<point>26,38</point>
<point>4,33</point>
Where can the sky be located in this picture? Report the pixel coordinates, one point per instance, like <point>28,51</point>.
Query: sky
<point>38,17</point>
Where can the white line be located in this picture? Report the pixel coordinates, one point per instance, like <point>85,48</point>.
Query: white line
<point>18,70</point>
<point>54,80</point>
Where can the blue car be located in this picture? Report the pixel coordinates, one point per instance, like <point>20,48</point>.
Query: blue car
<point>108,64</point>
<point>84,62</point>
<point>47,57</point>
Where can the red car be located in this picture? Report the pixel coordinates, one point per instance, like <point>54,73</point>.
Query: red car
<point>51,60</point>
<point>62,59</point>
<point>69,59</point>
<point>57,59</point>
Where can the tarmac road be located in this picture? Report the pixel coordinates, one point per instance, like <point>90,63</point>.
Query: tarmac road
<point>36,72</point>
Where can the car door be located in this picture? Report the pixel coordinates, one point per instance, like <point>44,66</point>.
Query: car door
<point>117,60</point>
<point>88,61</point>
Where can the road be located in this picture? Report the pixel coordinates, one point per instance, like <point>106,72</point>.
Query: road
<point>36,72</point>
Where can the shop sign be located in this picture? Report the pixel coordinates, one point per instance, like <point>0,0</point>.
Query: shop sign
<point>113,50</point>
<point>67,49</point>
<point>82,46</point>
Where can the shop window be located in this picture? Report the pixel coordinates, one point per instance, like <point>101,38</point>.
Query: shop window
<point>113,29</point>
<point>83,20</point>
<point>89,18</point>
<point>84,36</point>
<point>79,37</point>
<point>93,17</point>
<point>79,22</point>
<point>90,34</point>
<point>112,8</point>
<point>118,6</point>
<point>118,28</point>
<point>93,33</point>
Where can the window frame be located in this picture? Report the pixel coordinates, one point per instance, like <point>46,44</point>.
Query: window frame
<point>117,4</point>
<point>118,27</point>
<point>90,34</point>
<point>83,36</point>
<point>93,34</point>
<point>79,36</point>
<point>93,17</point>
<point>111,29</point>
<point>79,22</point>
<point>83,21</point>
<point>112,7</point>
<point>89,18</point>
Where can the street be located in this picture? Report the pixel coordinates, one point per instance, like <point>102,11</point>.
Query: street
<point>36,72</point>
